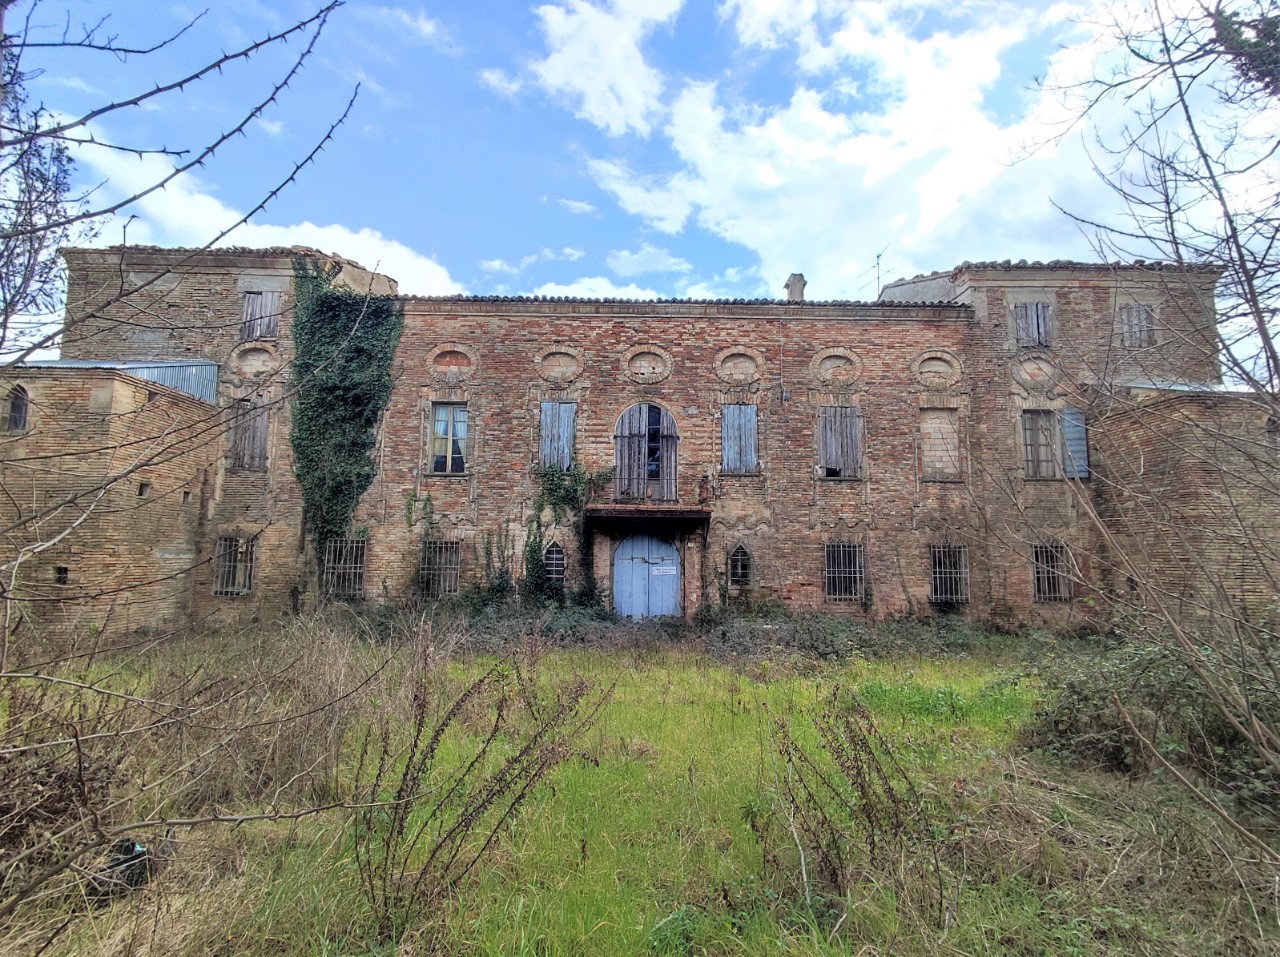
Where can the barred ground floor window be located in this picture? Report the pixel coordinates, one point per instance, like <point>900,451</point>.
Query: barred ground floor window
<point>845,571</point>
<point>441,568</point>
<point>233,566</point>
<point>343,568</point>
<point>949,574</point>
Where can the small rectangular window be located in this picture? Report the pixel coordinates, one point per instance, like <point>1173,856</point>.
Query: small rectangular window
<point>448,438</point>
<point>343,570</point>
<point>144,489</point>
<point>61,575</point>
<point>845,571</point>
<point>1040,444</point>
<point>1032,324</point>
<point>940,444</point>
<point>949,581</point>
<point>839,442</point>
<point>233,566</point>
<point>1051,572</point>
<point>441,565</point>
<point>186,498</point>
<point>1137,325</point>
<point>260,318</point>
<point>738,440</point>
<point>249,431</point>
<point>558,423</point>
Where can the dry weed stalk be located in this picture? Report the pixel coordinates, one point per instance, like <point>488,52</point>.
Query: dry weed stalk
<point>852,810</point>
<point>423,820</point>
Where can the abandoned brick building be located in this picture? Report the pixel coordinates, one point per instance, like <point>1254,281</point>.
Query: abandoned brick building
<point>953,446</point>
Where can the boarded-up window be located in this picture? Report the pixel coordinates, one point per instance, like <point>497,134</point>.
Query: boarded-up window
<point>949,578</point>
<point>1137,325</point>
<point>738,440</point>
<point>739,568</point>
<point>449,430</point>
<point>1033,324</point>
<point>16,410</point>
<point>1052,577</point>
<point>233,566</point>
<point>260,318</point>
<point>441,566</point>
<point>839,442</point>
<point>249,431</point>
<point>645,447</point>
<point>1075,444</point>
<point>845,571</point>
<point>344,568</point>
<point>558,421</point>
<point>553,560</point>
<point>940,444</point>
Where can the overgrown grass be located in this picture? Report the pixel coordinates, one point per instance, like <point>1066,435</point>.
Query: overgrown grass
<point>667,832</point>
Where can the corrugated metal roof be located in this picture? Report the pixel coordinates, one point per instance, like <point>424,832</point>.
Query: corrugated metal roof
<point>198,378</point>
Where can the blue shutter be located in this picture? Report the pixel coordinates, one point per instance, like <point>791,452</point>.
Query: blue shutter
<point>738,439</point>
<point>555,442</point>
<point>1075,445</point>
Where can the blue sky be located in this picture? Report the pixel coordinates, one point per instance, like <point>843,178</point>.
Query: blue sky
<point>636,148</point>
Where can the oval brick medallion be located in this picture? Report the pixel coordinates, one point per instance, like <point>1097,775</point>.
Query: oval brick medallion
<point>836,367</point>
<point>647,364</point>
<point>937,369</point>
<point>560,364</point>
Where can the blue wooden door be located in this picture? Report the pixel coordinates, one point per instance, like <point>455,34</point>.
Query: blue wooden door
<point>646,578</point>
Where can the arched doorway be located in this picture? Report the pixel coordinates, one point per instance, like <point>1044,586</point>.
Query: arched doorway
<point>645,460</point>
<point>646,578</point>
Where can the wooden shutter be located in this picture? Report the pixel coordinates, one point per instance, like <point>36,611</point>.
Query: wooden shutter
<point>839,441</point>
<point>667,453</point>
<point>1075,444</point>
<point>1022,321</point>
<point>738,439</point>
<point>630,453</point>
<point>1041,320</point>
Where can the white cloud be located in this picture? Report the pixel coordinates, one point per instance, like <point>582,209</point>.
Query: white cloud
<point>908,153</point>
<point>578,207</point>
<point>271,127</point>
<point>645,259</point>
<point>501,83</point>
<point>594,287</point>
<point>415,25</point>
<point>596,63</point>
<point>183,214</point>
<point>568,254</point>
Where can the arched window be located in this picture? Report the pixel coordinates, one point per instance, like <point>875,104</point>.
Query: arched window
<point>645,441</point>
<point>18,404</point>
<point>739,568</point>
<point>553,562</point>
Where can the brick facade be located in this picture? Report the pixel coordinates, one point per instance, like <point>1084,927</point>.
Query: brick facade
<point>866,442</point>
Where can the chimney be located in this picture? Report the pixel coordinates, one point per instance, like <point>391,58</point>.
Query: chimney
<point>795,287</point>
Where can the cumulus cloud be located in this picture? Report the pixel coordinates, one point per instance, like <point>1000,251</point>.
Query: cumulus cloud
<point>596,63</point>
<point>500,82</point>
<point>413,25</point>
<point>594,287</point>
<point>919,161</point>
<point>578,207</point>
<point>184,214</point>
<point>502,266</point>
<point>647,258</point>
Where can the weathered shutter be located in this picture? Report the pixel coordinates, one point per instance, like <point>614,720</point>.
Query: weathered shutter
<point>251,315</point>
<point>839,441</point>
<point>1075,444</point>
<point>461,440</point>
<point>269,318</point>
<point>1041,322</point>
<point>738,439</point>
<point>630,453</point>
<point>667,456</point>
<point>557,429</point>
<point>1022,322</point>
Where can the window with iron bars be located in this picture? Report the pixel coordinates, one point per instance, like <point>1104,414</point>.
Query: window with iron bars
<point>845,571</point>
<point>949,580</point>
<point>553,560</point>
<point>233,566</point>
<point>739,568</point>
<point>441,565</point>
<point>1052,579</point>
<point>344,568</point>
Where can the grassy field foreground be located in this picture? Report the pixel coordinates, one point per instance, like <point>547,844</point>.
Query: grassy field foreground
<point>667,803</point>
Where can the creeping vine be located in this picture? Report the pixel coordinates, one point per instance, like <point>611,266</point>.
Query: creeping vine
<point>345,343</point>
